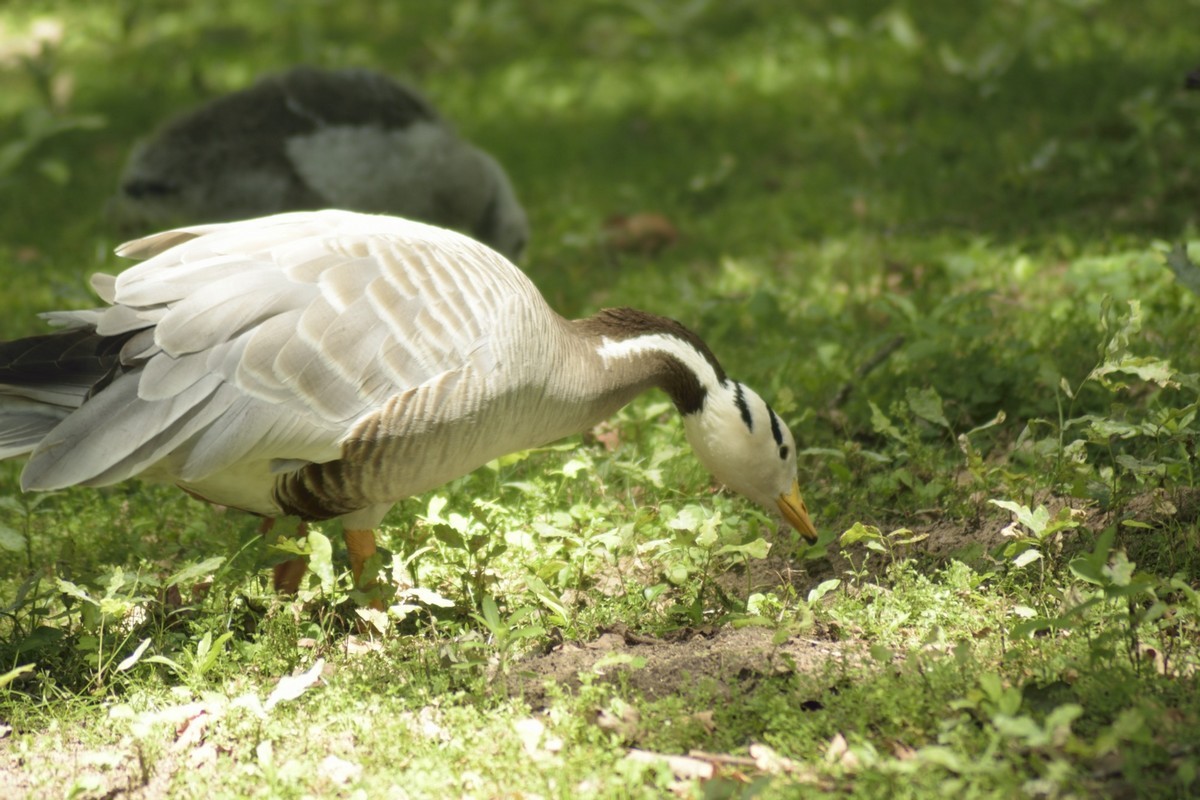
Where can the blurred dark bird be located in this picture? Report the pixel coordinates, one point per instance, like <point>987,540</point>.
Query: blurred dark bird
<point>1192,80</point>
<point>312,138</point>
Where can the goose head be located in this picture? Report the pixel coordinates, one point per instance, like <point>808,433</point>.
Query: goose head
<point>732,430</point>
<point>747,447</point>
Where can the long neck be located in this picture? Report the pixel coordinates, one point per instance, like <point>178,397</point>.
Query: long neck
<point>574,377</point>
<point>632,350</point>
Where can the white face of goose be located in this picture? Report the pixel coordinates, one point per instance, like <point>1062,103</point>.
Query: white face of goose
<point>748,448</point>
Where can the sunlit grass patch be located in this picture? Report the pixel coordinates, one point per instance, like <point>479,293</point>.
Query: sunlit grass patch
<point>932,235</point>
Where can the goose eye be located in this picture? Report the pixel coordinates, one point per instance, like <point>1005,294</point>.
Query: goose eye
<point>783,452</point>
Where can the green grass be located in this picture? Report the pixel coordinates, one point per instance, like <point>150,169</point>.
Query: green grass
<point>980,194</point>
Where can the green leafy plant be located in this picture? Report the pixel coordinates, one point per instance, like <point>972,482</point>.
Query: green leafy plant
<point>874,541</point>
<point>505,635</point>
<point>1186,271</point>
<point>108,621</point>
<point>1034,533</point>
<point>190,666</point>
<point>24,507</point>
<point>1167,431</point>
<point>701,542</point>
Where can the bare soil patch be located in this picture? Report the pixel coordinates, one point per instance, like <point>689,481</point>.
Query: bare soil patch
<point>724,660</point>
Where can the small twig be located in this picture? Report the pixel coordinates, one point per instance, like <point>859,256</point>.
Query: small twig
<point>630,636</point>
<point>723,759</point>
<point>865,369</point>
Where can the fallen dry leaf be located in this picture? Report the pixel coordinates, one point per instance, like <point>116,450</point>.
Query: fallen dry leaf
<point>536,739</point>
<point>202,756</point>
<point>530,732</point>
<point>339,770</point>
<point>1152,656</point>
<point>191,733</point>
<point>837,747</point>
<point>646,232</point>
<point>839,753</point>
<point>767,760</point>
<point>179,716</point>
<point>357,646</point>
<point>428,726</point>
<point>292,686</point>
<point>704,719</point>
<point>761,758</point>
<point>606,434</point>
<point>104,759</point>
<point>622,720</point>
<point>27,254</point>
<point>607,641</point>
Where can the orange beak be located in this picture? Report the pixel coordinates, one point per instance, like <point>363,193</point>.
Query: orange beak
<point>791,505</point>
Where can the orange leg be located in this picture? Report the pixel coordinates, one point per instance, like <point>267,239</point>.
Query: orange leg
<point>288,573</point>
<point>360,545</point>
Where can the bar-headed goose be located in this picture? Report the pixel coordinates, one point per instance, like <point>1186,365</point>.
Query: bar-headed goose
<point>328,364</point>
<point>313,138</point>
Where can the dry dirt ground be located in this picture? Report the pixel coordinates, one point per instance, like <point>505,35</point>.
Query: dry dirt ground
<point>722,660</point>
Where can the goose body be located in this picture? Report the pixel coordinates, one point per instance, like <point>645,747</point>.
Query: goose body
<point>312,138</point>
<point>329,364</point>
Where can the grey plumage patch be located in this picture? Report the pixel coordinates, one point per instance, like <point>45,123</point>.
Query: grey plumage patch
<point>312,138</point>
<point>24,423</point>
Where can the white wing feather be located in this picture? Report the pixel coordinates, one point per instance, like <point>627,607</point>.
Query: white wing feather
<point>271,338</point>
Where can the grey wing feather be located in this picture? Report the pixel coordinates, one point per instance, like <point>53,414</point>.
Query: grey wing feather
<point>249,426</point>
<point>116,434</point>
<point>164,377</point>
<point>352,96</point>
<point>24,422</point>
